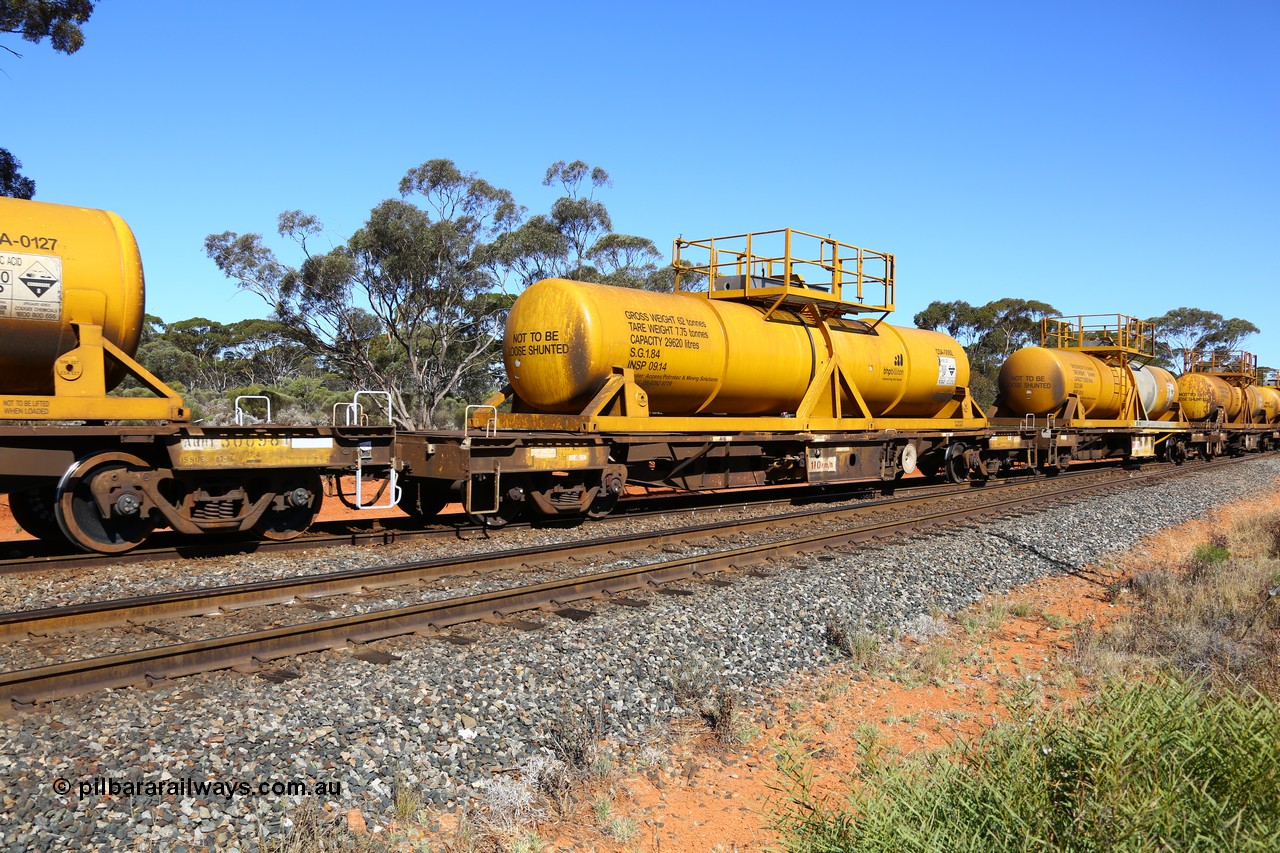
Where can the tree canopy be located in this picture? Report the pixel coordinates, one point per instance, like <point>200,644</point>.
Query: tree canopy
<point>413,301</point>
<point>576,238</point>
<point>12,182</point>
<point>988,332</point>
<point>57,20</point>
<point>35,20</point>
<point>1186,330</point>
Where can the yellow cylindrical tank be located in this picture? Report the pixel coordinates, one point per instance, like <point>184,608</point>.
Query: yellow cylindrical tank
<point>1270,403</point>
<point>1253,405</point>
<point>59,265</point>
<point>1038,380</point>
<point>1200,394</point>
<point>1157,388</point>
<point>693,355</point>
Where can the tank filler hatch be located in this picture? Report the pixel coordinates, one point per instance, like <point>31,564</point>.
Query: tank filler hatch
<point>787,268</point>
<point>1236,366</point>
<point>1110,337</point>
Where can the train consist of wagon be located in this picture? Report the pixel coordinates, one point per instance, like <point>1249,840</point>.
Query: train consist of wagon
<point>770,364</point>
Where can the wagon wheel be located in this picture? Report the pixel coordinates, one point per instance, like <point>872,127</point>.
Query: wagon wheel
<point>956,465</point>
<point>603,504</point>
<point>611,489</point>
<point>511,503</point>
<point>425,498</point>
<point>301,505</point>
<point>124,527</point>
<point>33,509</point>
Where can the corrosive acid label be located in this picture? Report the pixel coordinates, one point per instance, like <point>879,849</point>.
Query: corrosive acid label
<point>946,370</point>
<point>30,286</point>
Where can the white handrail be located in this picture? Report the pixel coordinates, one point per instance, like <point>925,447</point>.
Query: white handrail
<point>240,412</point>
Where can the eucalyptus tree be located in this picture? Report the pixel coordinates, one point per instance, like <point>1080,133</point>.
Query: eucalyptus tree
<point>1186,330</point>
<point>1012,323</point>
<point>414,301</point>
<point>576,240</point>
<point>264,353</point>
<point>410,304</point>
<point>958,319</point>
<point>988,332</point>
<point>35,20</point>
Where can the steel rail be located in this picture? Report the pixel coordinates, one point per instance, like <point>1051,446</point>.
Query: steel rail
<point>213,600</point>
<point>24,688</point>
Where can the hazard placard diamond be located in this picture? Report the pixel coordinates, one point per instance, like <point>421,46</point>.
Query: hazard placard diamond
<point>38,279</point>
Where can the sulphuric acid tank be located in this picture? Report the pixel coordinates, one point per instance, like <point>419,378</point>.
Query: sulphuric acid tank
<point>60,264</point>
<point>1254,404</point>
<point>1200,394</point>
<point>695,355</point>
<point>1270,403</point>
<point>1038,381</point>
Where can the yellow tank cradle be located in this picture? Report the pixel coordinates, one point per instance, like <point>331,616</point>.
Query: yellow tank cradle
<point>80,387</point>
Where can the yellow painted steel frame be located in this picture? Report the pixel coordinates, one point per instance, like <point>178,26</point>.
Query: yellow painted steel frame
<point>1100,333</point>
<point>80,388</point>
<point>1236,366</point>
<point>750,267</point>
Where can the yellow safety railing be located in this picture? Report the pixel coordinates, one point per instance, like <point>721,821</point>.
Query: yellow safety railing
<point>1100,332</point>
<point>787,266</point>
<point>1222,362</point>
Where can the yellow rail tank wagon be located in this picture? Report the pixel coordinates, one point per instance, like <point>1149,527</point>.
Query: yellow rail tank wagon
<point>1221,393</point>
<point>770,363</point>
<point>104,470</point>
<point>1088,392</point>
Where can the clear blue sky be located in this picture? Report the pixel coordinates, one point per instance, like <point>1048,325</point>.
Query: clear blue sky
<point>1099,156</point>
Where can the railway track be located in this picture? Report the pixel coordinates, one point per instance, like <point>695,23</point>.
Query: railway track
<point>200,602</point>
<point>24,688</point>
<point>29,556</point>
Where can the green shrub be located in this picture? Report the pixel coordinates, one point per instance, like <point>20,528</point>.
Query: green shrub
<point>1162,766</point>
